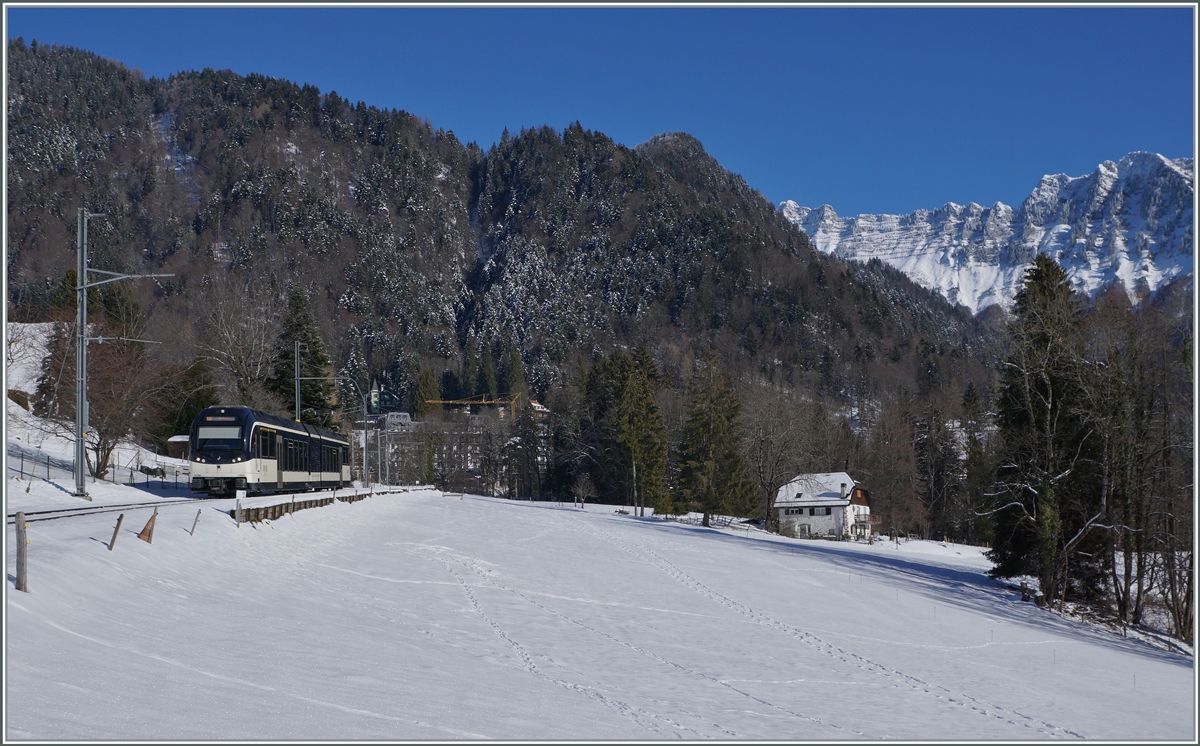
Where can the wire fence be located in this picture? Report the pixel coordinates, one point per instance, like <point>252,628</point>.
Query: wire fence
<point>26,463</point>
<point>33,463</point>
<point>697,519</point>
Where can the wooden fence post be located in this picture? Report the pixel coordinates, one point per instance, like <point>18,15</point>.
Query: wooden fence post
<point>193,531</point>
<point>22,558</point>
<point>147,534</point>
<point>113,543</point>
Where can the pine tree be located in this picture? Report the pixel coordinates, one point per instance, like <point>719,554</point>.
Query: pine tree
<point>486,383</point>
<point>316,393</point>
<point>712,476</point>
<point>189,389</point>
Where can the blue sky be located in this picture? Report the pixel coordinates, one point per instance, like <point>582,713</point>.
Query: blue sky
<point>866,109</point>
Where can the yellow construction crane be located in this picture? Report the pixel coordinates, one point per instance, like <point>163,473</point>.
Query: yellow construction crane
<point>509,400</point>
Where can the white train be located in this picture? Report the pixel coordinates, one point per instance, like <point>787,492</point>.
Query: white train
<point>238,448</point>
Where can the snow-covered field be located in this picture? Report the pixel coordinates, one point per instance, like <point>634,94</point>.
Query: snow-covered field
<point>420,616</point>
<point>427,616</point>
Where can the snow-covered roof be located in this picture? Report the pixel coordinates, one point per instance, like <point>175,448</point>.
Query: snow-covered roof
<point>816,489</point>
<point>178,439</point>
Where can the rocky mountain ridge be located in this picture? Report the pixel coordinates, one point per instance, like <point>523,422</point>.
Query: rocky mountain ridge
<point>1128,222</point>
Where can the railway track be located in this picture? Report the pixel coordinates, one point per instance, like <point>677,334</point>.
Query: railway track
<point>59,513</point>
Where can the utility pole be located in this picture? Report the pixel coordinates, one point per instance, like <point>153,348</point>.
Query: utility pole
<point>364,400</point>
<point>297,380</point>
<point>635,495</point>
<point>300,378</point>
<point>81,339</point>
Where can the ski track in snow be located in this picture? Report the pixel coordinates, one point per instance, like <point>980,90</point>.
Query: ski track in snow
<point>637,715</point>
<point>240,681</point>
<point>834,651</point>
<point>487,577</point>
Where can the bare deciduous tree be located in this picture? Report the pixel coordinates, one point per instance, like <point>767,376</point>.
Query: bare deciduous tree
<point>773,435</point>
<point>122,385</point>
<point>239,325</point>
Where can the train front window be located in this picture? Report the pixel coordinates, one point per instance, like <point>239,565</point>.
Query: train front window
<point>219,438</point>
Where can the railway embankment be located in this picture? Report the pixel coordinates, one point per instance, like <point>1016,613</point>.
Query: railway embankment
<point>274,510</point>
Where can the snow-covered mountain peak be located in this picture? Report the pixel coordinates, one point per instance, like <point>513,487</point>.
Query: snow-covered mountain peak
<point>1129,221</point>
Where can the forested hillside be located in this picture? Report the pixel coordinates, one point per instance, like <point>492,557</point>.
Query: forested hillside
<point>413,246</point>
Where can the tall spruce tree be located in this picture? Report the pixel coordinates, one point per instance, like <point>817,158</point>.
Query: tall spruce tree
<point>427,390</point>
<point>316,372</point>
<point>978,469</point>
<point>514,380</point>
<point>939,469</point>
<point>712,476</point>
<point>641,435</point>
<point>1047,504</point>
<point>618,427</point>
<point>468,380</point>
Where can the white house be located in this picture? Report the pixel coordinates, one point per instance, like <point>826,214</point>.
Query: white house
<point>824,505</point>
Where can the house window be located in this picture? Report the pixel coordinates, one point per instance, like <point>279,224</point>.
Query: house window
<point>812,511</point>
<point>828,511</point>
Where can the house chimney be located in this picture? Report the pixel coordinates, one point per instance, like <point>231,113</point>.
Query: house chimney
<point>843,490</point>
